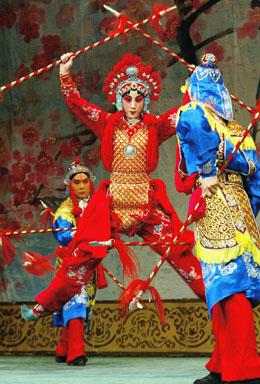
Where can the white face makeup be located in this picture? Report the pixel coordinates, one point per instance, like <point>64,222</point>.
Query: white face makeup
<point>133,104</point>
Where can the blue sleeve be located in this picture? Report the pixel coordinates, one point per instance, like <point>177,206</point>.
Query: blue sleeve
<point>199,143</point>
<point>240,160</point>
<point>63,237</point>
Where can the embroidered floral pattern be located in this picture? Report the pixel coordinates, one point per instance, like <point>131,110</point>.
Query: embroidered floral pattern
<point>227,269</point>
<point>253,270</point>
<point>92,113</point>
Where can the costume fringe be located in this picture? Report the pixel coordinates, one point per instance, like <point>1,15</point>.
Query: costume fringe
<point>219,256</point>
<point>37,264</point>
<point>126,255</point>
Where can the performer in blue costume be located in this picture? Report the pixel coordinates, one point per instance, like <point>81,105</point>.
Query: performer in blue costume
<point>227,236</point>
<point>71,346</point>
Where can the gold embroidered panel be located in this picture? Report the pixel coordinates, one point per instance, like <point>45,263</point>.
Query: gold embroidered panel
<point>187,330</point>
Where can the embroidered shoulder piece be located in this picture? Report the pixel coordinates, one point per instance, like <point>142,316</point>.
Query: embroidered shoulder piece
<point>235,128</point>
<point>65,212</point>
<point>232,130</point>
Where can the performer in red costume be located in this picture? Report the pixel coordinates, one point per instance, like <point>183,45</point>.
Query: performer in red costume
<point>131,202</point>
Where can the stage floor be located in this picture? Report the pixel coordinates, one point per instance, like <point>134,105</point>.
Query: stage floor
<point>102,370</point>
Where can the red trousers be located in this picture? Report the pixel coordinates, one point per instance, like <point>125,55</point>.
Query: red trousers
<point>158,226</point>
<point>181,260</point>
<point>71,342</point>
<point>235,353</point>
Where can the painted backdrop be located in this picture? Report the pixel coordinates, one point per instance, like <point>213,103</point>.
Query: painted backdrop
<point>40,137</point>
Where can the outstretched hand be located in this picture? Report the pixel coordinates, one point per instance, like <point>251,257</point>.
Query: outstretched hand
<point>66,63</point>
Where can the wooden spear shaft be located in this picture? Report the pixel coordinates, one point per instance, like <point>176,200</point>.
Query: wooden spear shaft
<point>173,54</point>
<point>83,50</point>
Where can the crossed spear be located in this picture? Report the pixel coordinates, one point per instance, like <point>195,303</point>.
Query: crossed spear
<point>132,25</point>
<point>135,297</point>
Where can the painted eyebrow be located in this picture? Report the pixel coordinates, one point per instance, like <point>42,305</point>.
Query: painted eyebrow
<point>80,181</point>
<point>136,98</point>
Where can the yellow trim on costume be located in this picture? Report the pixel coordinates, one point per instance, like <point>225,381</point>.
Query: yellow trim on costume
<point>185,86</point>
<point>218,256</point>
<point>65,211</point>
<point>247,245</point>
<point>181,109</point>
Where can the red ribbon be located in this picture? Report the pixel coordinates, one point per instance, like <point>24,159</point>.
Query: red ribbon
<point>157,23</point>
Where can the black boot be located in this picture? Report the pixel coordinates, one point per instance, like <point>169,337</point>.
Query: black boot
<point>79,361</point>
<point>60,359</point>
<point>212,378</point>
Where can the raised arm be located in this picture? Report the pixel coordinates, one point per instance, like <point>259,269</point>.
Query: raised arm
<point>90,114</point>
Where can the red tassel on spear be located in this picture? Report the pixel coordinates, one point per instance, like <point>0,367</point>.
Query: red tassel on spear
<point>130,268</point>
<point>190,67</point>
<point>8,250</point>
<point>157,23</point>
<point>37,264</point>
<point>127,303</point>
<point>47,216</point>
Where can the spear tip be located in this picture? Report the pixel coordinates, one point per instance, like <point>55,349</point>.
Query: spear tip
<point>43,204</point>
<point>108,8</point>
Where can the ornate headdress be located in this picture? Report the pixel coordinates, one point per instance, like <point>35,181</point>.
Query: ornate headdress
<point>206,85</point>
<point>130,74</point>
<point>76,167</point>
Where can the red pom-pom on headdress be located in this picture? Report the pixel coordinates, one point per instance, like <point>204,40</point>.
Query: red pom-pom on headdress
<point>76,161</point>
<point>131,68</point>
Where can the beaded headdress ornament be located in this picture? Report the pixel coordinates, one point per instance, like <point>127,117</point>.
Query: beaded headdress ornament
<point>129,74</point>
<point>76,167</point>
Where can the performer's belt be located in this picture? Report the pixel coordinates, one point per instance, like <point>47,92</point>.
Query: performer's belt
<point>227,178</point>
<point>230,178</point>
